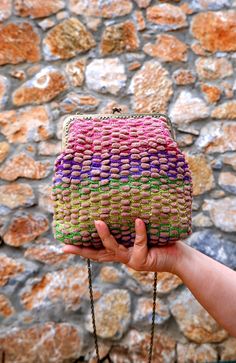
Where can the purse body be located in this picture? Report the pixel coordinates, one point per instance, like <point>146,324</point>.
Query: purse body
<point>117,168</point>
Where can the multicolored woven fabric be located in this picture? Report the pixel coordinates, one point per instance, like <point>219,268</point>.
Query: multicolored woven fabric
<point>118,168</point>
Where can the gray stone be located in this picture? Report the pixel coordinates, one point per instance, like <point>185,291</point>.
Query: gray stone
<point>106,75</point>
<point>193,320</point>
<point>188,108</point>
<point>217,137</point>
<point>197,5</point>
<point>112,313</point>
<point>201,220</point>
<point>227,181</point>
<point>4,88</point>
<point>143,311</point>
<point>30,269</point>
<point>215,246</point>
<point>196,353</point>
<point>134,348</point>
<point>222,212</point>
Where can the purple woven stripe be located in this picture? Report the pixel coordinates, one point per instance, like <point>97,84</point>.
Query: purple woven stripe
<point>96,164</point>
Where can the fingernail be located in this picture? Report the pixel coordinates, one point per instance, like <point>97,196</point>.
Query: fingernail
<point>138,222</point>
<point>97,224</point>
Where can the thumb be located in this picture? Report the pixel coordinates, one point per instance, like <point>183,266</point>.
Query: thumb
<point>140,249</point>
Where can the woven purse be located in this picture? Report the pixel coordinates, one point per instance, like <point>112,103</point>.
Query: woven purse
<point>117,167</point>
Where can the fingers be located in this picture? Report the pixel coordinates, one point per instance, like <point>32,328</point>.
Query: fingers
<point>115,252</point>
<point>140,249</point>
<point>84,252</point>
<point>109,242</point>
<point>120,253</point>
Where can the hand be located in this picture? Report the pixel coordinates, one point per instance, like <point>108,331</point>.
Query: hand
<point>139,257</point>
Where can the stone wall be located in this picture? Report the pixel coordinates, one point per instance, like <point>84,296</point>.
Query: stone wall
<point>58,57</point>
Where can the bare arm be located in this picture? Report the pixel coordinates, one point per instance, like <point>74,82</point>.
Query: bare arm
<point>213,284</point>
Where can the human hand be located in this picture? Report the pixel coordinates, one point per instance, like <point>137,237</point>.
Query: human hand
<point>139,257</point>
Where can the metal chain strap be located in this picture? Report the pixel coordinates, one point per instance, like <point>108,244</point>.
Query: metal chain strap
<point>93,314</point>
<point>92,310</point>
<point>153,316</point>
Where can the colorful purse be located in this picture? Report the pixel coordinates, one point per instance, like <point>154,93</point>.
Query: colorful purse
<point>117,167</point>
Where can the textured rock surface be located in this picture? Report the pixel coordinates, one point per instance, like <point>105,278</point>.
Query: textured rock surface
<point>45,342</point>
<point>143,3</point>
<point>45,200</point>
<point>110,274</point>
<point>217,247</point>
<point>209,4</point>
<point>227,181</point>
<point>185,140</point>
<point>48,254</point>
<point>166,281</point>
<point>119,38</point>
<point>4,86</point>
<point>66,286</point>
<point>148,94</point>
<point>4,150</point>
<point>167,16</point>
<point>213,68</point>
<point>211,93</point>
<point>97,8</point>
<point>201,220</point>
<point>223,213</point>
<point>16,195</point>
<point>25,227</point>
<point>9,267</point>
<point>37,9</point>
<point>27,124</point>
<point>49,148</point>
<point>67,39</point>
<point>217,137</point>
<point>133,348</point>
<point>140,20</point>
<point>230,159</point>
<point>203,328</point>
<point>228,349</point>
<point>19,43</point>
<point>215,30</point>
<point>167,48</point>
<point>75,71</point>
<point>203,179</point>
<point>196,353</point>
<point>6,308</point>
<point>225,111</point>
<point>45,86</point>
<point>113,314</point>
<point>5,9</point>
<point>74,102</point>
<point>183,76</point>
<point>143,311</point>
<point>188,108</point>
<point>25,166</point>
<point>106,75</point>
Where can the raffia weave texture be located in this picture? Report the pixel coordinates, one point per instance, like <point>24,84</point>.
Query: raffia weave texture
<point>116,170</point>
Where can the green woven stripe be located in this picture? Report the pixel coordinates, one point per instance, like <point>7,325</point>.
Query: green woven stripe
<point>91,182</point>
<point>61,236</point>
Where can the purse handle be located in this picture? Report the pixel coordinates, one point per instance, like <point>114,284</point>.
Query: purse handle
<point>93,313</point>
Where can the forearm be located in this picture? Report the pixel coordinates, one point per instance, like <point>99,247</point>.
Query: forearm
<point>213,285</point>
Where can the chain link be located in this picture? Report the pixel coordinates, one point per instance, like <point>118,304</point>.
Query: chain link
<point>93,314</point>
<point>153,317</point>
<point>92,309</point>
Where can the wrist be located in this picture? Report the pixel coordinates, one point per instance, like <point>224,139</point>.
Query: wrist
<point>183,256</point>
